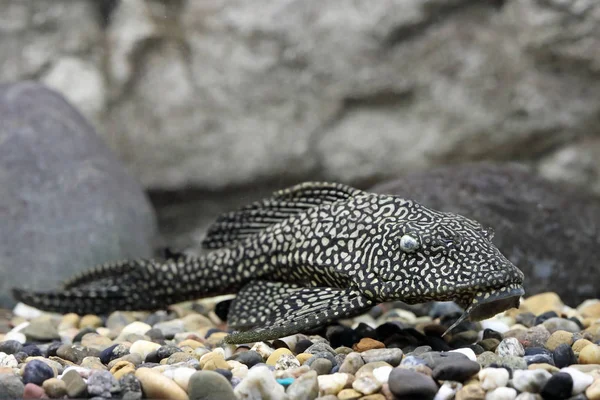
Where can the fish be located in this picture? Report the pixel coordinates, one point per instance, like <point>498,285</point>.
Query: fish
<point>307,256</point>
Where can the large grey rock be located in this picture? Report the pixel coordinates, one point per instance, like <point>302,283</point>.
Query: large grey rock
<point>550,231</point>
<point>67,203</point>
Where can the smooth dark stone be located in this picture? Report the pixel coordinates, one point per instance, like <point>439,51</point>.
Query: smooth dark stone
<point>410,385</point>
<point>167,351</point>
<point>81,333</point>
<point>435,358</point>
<point>405,337</point>
<point>456,370</point>
<point>539,359</point>
<point>387,329</point>
<point>477,349</point>
<point>52,349</point>
<point>559,386</point>
<point>489,344</point>
<point>103,384</point>
<point>131,388</point>
<point>32,350</point>
<point>463,339</point>
<point>341,336</point>
<point>545,316</point>
<point>10,347</point>
<point>365,331</point>
<point>152,357</point>
<point>564,356</point>
<point>519,205</point>
<point>442,308</point>
<point>530,351</point>
<point>225,372</point>
<point>279,344</point>
<point>249,358</point>
<point>37,372</point>
<point>107,355</point>
<point>492,334</point>
<point>302,345</point>
<point>20,356</point>
<point>156,335</point>
<point>210,385</point>
<point>11,387</point>
<point>526,319</point>
<point>323,354</point>
<point>436,343</point>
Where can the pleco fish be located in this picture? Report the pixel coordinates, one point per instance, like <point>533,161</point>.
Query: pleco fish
<point>309,255</point>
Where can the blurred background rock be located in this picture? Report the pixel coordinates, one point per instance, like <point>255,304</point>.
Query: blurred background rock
<point>214,103</point>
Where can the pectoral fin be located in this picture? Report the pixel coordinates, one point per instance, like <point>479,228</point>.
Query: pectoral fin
<point>305,309</point>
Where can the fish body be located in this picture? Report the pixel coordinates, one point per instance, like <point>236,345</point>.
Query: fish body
<point>307,256</point>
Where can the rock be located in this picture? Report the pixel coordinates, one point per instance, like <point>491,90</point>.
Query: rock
<point>563,356</point>
<point>37,372</point>
<point>503,393</point>
<point>590,308</point>
<point>321,366</point>
<point>143,347</point>
<point>131,388</point>
<point>382,373</point>
<point>406,384</point>
<point>11,386</point>
<point>103,384</point>
<point>263,349</point>
<point>367,344</point>
<point>90,321</point>
<point>182,375</point>
<point>528,396</point>
<point>259,384</point>
<point>43,328</point>
<point>212,361</point>
<point>205,385</point>
<point>70,151</point>
<point>592,392</point>
<point>75,384</point>
<point>272,359</point>
<point>530,380</point>
<point>249,358</point>
<point>559,386</point>
<point>333,383</point>
<point>536,336</point>
<point>492,378</point>
<point>134,328</point>
<point>33,391</point>
<point>510,347</point>
<point>170,328</point>
<point>467,352</point>
<point>305,387</point>
<point>557,338</point>
<point>391,356</point>
<point>590,354</point>
<point>8,360</point>
<point>470,392</point>
<point>367,384</point>
<point>580,344</point>
<point>122,368</point>
<point>562,324</point>
<point>456,370</point>
<point>581,381</point>
<point>10,347</point>
<point>352,363</point>
<point>156,385</point>
<point>349,394</point>
<point>448,390</point>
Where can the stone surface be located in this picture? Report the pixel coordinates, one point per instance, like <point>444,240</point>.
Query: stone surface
<point>405,384</point>
<point>205,385</point>
<point>72,204</point>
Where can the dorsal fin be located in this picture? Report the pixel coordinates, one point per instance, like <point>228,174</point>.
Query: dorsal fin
<point>236,225</point>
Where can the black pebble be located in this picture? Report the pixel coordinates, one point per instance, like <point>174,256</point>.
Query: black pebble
<point>152,357</point>
<point>107,354</point>
<point>20,356</point>
<point>341,336</point>
<point>279,344</point>
<point>32,350</point>
<point>577,321</point>
<point>365,331</point>
<point>225,372</point>
<point>167,351</point>
<point>541,358</point>
<point>477,349</point>
<point>456,370</point>
<point>156,335</point>
<point>249,358</point>
<point>544,316</point>
<point>302,345</point>
<point>211,331</point>
<point>405,338</point>
<point>37,372</point>
<point>84,331</point>
<point>387,329</point>
<point>492,334</point>
<point>10,347</point>
<point>559,386</point>
<point>222,309</point>
<point>410,385</point>
<point>526,319</point>
<point>530,351</point>
<point>564,356</point>
<point>52,348</point>
<point>436,343</point>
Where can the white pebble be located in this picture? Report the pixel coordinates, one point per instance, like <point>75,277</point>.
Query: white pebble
<point>382,374</point>
<point>137,327</point>
<point>510,347</point>
<point>366,384</point>
<point>502,393</point>
<point>259,384</point>
<point>492,378</point>
<point>181,376</point>
<point>530,380</point>
<point>494,324</point>
<point>448,390</point>
<point>528,396</point>
<point>83,372</point>
<point>332,383</point>
<point>16,336</point>
<point>467,352</point>
<point>238,369</point>
<point>143,347</point>
<point>285,362</point>
<point>25,311</point>
<point>8,360</point>
<point>263,349</point>
<point>581,380</point>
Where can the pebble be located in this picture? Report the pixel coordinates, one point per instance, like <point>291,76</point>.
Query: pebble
<point>212,361</point>
<point>102,384</point>
<point>131,388</point>
<point>10,347</point>
<point>260,384</point>
<point>76,386</point>
<point>158,386</point>
<point>382,374</point>
<point>8,360</point>
<point>33,391</point>
<point>249,358</point>
<point>528,396</point>
<point>349,394</point>
<point>272,359</point>
<point>503,393</point>
<point>448,390</point>
<point>122,368</point>
<point>333,383</point>
<point>143,347</point>
<point>263,349</point>
<point>37,372</point>
<point>391,356</point>
<point>581,381</point>
<point>11,386</point>
<point>492,378</point>
<point>43,328</point>
<point>590,354</point>
<point>90,321</point>
<point>321,366</point>
<point>510,347</point>
<point>593,391</point>
<point>352,363</point>
<point>367,344</point>
<point>562,324</point>
<point>557,338</point>
<point>366,384</point>
<point>406,384</point>
<point>471,392</point>
<point>209,385</point>
<point>306,386</point>
<point>530,380</point>
<point>456,370</point>
<point>467,352</point>
<point>559,386</point>
<point>543,302</point>
<point>577,346</point>
<point>563,356</point>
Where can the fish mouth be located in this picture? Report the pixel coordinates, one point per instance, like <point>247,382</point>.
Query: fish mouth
<point>491,302</point>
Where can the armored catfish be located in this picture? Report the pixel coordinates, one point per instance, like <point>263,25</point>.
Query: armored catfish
<point>309,255</point>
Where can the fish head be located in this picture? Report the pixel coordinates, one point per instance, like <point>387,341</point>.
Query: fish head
<point>433,255</point>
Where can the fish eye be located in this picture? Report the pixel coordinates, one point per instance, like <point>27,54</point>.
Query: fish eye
<point>409,243</point>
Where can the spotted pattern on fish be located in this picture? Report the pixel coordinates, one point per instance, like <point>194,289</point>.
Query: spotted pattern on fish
<point>307,256</point>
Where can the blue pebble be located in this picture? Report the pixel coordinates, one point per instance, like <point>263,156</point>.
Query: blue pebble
<point>335,369</point>
<point>32,350</point>
<point>107,355</point>
<point>37,372</point>
<point>285,382</point>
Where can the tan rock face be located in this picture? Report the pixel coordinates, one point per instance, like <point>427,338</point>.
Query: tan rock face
<point>155,385</point>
